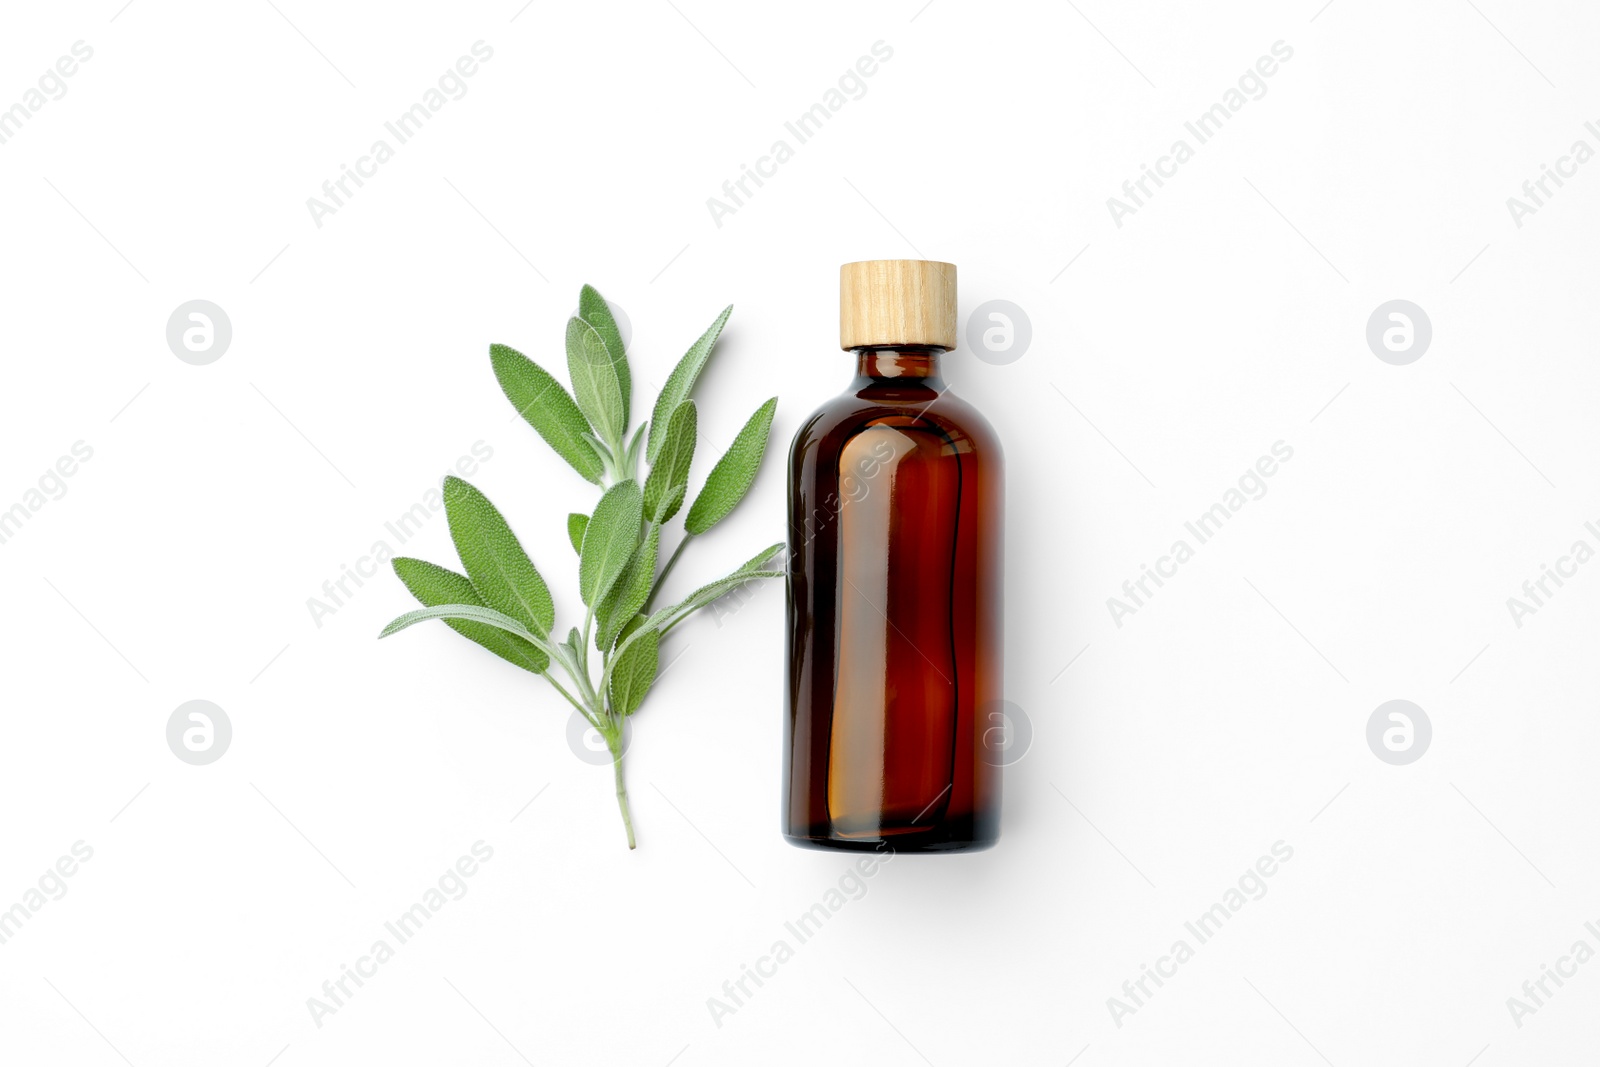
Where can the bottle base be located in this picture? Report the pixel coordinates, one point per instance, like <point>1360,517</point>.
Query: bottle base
<point>936,839</point>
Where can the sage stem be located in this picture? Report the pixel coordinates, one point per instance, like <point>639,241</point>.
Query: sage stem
<point>614,740</point>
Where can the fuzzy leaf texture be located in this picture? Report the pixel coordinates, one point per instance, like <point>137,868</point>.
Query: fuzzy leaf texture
<point>609,540</point>
<point>631,591</point>
<point>681,382</point>
<point>469,612</point>
<point>630,626</point>
<point>576,521</point>
<point>711,591</point>
<point>549,409</point>
<point>669,472</point>
<point>596,385</point>
<point>593,309</point>
<point>630,463</point>
<point>731,478</point>
<point>436,586</point>
<point>668,617</point>
<point>755,561</point>
<point>501,571</point>
<point>634,674</point>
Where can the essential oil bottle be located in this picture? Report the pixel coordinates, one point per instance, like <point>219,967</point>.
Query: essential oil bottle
<point>896,505</point>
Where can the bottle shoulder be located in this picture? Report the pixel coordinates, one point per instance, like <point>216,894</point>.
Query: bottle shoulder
<point>841,417</point>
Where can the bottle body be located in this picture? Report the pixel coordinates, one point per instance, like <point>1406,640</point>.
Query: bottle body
<point>896,502</point>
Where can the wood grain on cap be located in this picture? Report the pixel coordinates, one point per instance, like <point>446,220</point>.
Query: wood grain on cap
<point>897,302</point>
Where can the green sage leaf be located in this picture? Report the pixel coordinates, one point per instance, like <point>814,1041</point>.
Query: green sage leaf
<point>681,381</point>
<point>755,561</point>
<point>664,489</point>
<point>666,618</point>
<point>436,586</point>
<point>609,540</point>
<point>542,401</point>
<point>674,501</point>
<point>469,612</point>
<point>630,462</point>
<point>707,593</point>
<point>634,673</point>
<point>596,386</point>
<point>500,570</point>
<point>628,595</point>
<point>593,309</point>
<point>730,479</point>
<point>630,626</point>
<point>576,521</point>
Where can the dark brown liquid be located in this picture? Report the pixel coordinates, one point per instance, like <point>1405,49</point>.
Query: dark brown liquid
<point>895,538</point>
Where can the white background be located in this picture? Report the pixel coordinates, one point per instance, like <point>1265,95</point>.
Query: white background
<point>1227,714</point>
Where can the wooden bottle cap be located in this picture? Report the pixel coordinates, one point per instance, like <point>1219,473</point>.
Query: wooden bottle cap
<point>897,302</point>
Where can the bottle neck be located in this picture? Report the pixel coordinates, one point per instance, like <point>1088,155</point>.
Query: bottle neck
<point>910,365</point>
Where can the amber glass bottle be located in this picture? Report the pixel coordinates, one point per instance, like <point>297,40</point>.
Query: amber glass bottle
<point>896,500</point>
